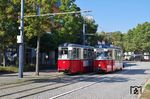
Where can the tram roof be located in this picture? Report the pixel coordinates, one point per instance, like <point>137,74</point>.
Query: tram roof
<point>75,45</point>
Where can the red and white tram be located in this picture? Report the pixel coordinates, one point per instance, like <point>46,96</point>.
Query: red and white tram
<point>75,58</point>
<point>108,58</point>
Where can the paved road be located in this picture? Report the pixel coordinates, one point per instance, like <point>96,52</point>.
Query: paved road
<point>88,86</point>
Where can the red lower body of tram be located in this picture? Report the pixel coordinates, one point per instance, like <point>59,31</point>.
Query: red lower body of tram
<point>107,65</point>
<point>75,66</point>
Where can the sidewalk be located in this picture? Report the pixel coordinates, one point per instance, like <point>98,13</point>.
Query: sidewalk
<point>12,78</point>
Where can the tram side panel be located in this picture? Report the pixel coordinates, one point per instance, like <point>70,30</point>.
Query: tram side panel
<point>75,66</point>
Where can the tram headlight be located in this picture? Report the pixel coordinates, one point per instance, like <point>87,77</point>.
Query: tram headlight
<point>99,65</point>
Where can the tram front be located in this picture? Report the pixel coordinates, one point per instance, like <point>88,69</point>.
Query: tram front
<point>63,59</point>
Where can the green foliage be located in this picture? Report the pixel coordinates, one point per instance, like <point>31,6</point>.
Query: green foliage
<point>148,86</point>
<point>138,38</point>
<point>70,26</point>
<point>47,43</point>
<point>115,38</point>
<point>8,22</point>
<point>14,69</point>
<point>65,28</point>
<point>37,26</point>
<point>8,69</point>
<point>9,12</point>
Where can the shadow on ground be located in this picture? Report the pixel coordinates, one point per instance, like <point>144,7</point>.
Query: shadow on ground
<point>66,82</point>
<point>129,64</point>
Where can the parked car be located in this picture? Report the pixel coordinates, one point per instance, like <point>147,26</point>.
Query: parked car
<point>136,57</point>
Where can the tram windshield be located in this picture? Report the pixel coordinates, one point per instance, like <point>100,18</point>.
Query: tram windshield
<point>63,53</point>
<point>103,55</point>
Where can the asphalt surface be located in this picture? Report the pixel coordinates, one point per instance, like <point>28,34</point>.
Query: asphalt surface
<point>115,85</point>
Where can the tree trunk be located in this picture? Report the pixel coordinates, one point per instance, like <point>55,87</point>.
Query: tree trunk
<point>37,56</point>
<point>4,57</point>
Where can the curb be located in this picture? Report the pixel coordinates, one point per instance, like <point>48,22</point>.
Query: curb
<point>143,88</point>
<point>27,80</point>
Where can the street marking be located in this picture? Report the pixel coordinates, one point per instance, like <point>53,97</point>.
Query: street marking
<point>71,91</point>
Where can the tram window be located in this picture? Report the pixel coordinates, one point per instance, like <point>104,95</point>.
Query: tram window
<point>63,53</point>
<point>70,54</point>
<point>85,54</point>
<point>110,54</point>
<point>117,55</point>
<point>75,54</point>
<point>90,53</point>
<point>104,55</point>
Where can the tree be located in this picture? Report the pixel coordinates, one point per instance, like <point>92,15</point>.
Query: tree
<point>37,26</point>
<point>117,38</point>
<point>70,26</point>
<point>9,10</point>
<point>91,29</point>
<point>138,38</point>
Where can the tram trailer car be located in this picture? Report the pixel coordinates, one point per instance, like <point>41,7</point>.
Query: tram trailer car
<point>108,58</point>
<point>75,58</point>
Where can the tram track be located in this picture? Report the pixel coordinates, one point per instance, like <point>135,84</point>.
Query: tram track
<point>58,86</point>
<point>88,85</point>
<point>27,82</point>
<point>64,81</point>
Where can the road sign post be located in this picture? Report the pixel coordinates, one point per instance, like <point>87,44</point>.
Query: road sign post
<point>21,39</point>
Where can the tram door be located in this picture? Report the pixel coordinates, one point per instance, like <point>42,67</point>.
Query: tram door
<point>75,60</point>
<point>117,59</point>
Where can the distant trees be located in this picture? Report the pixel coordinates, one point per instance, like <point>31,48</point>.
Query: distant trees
<point>115,38</point>
<point>138,38</point>
<point>135,40</point>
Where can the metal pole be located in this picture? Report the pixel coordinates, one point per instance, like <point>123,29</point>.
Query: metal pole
<point>21,45</point>
<point>84,32</point>
<point>38,47</point>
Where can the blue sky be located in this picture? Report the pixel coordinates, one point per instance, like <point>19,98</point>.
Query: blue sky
<point>117,15</point>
